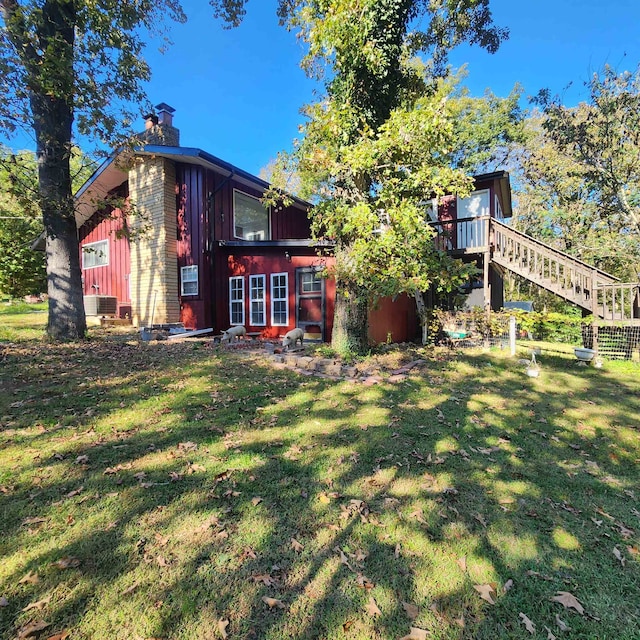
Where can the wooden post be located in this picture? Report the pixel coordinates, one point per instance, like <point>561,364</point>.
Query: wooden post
<point>594,309</point>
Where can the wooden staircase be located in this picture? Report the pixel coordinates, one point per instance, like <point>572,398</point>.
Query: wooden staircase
<point>589,288</point>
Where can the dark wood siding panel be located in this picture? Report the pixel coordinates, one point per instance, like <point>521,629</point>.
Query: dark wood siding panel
<point>111,279</point>
<point>194,184</point>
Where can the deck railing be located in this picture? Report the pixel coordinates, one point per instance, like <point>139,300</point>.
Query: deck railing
<point>591,289</point>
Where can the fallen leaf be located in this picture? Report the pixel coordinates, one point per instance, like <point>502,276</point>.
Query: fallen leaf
<point>37,605</point>
<point>3,602</point>
<point>569,601</point>
<point>82,459</point>
<point>364,582</point>
<point>396,552</point>
<point>372,608</point>
<point>33,520</point>
<point>324,498</point>
<point>550,635</point>
<point>562,625</point>
<point>462,563</point>
<point>32,629</point>
<point>619,556</point>
<point>296,546</point>
<point>507,585</point>
<point>273,602</point>
<point>344,560</point>
<point>74,493</point>
<point>485,591</point>
<point>460,621</point>
<point>31,578</point>
<point>347,625</point>
<point>68,562</point>
<point>411,610</point>
<point>222,627</point>
<point>256,501</point>
<point>530,627</point>
<point>415,634</point>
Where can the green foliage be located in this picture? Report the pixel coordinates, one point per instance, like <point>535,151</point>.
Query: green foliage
<point>379,143</point>
<point>580,174</point>
<point>550,326</point>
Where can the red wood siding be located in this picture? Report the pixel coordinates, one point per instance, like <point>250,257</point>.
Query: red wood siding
<point>111,279</point>
<point>192,245</point>
<point>266,263</point>
<point>393,319</point>
<point>205,216</point>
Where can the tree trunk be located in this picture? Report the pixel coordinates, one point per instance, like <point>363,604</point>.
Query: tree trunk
<point>423,315</point>
<point>52,112</point>
<point>350,320</point>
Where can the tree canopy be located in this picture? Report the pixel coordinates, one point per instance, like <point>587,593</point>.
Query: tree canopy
<point>380,142</point>
<point>579,174</point>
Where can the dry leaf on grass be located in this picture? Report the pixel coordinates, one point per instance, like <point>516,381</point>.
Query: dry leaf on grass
<point>222,627</point>
<point>569,601</point>
<point>59,636</point>
<point>31,578</point>
<point>296,546</point>
<point>415,634</point>
<point>32,629</point>
<point>273,602</point>
<point>530,627</point>
<point>256,501</point>
<point>485,591</point>
<point>562,625</point>
<point>619,556</point>
<point>462,563</point>
<point>507,585</point>
<point>68,562</point>
<point>372,608</point>
<point>38,605</point>
<point>411,610</point>
<point>550,635</point>
<point>3,602</point>
<point>82,459</point>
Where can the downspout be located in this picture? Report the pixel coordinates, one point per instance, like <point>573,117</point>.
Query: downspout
<point>211,238</point>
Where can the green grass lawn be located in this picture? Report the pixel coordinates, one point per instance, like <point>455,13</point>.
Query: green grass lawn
<point>177,491</point>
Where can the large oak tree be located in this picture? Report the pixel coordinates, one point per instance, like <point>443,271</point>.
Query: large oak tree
<point>378,143</point>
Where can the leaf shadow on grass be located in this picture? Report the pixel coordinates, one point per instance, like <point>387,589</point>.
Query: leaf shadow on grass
<point>467,457</point>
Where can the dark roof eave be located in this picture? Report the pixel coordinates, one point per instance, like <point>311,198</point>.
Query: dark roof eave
<point>290,243</point>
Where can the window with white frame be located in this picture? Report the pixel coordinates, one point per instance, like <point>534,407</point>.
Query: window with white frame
<point>236,300</point>
<point>95,254</point>
<point>189,280</point>
<point>279,299</point>
<point>257,300</point>
<point>250,218</point>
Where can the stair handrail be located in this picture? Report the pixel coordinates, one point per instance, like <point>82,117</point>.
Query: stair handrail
<point>565,256</point>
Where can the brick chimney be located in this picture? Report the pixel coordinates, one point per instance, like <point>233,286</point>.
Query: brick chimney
<point>159,128</point>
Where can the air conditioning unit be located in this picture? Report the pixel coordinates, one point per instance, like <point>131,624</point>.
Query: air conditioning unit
<point>100,305</point>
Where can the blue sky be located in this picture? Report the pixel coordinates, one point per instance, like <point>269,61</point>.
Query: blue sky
<point>237,93</point>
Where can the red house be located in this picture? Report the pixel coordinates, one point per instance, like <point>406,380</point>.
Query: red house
<point>197,246</point>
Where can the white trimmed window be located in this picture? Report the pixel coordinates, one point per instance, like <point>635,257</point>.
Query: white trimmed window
<point>279,299</point>
<point>189,280</point>
<point>250,218</point>
<point>95,254</point>
<point>236,300</point>
<point>257,295</point>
